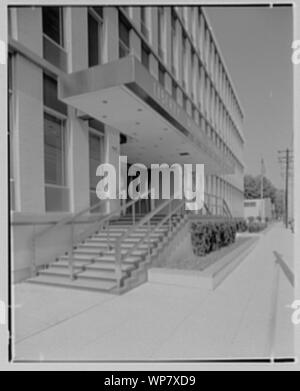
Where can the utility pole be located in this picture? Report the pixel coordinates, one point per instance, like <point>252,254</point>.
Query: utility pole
<point>262,174</point>
<point>287,188</point>
<point>285,158</point>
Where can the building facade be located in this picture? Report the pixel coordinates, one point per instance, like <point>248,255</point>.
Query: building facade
<point>258,208</point>
<point>88,84</point>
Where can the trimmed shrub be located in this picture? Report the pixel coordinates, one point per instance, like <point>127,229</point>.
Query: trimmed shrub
<point>207,236</point>
<point>256,226</point>
<point>241,224</point>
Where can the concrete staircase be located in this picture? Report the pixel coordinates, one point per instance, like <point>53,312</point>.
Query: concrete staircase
<point>95,262</point>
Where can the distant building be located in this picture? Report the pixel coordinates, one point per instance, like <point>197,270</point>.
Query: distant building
<point>258,208</point>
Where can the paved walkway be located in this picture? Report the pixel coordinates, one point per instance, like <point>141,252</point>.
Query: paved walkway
<point>161,322</point>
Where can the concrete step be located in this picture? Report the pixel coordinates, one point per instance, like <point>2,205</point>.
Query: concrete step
<point>129,241</point>
<point>132,259</point>
<point>98,252</point>
<point>94,274</point>
<point>115,235</point>
<point>66,282</point>
<point>103,246</point>
<point>98,265</point>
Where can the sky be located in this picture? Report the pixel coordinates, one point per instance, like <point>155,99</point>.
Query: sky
<point>256,46</point>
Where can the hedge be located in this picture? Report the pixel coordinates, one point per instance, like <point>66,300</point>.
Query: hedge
<point>207,236</point>
<point>241,224</point>
<point>256,226</point>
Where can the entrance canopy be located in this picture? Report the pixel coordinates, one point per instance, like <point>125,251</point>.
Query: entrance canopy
<point>124,95</point>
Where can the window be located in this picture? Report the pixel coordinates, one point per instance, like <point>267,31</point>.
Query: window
<point>160,32</point>
<point>55,167</point>
<point>124,38</point>
<point>96,153</point>
<point>161,75</point>
<point>145,56</point>
<point>250,203</point>
<point>95,22</point>
<point>184,60</point>
<point>53,24</point>
<point>53,37</point>
<point>54,143</point>
<point>184,101</point>
<point>173,41</point>
<point>144,22</point>
<point>50,95</point>
<point>174,90</point>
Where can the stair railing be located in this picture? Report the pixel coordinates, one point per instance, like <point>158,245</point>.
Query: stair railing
<point>226,209</point>
<point>146,239</point>
<point>99,222</point>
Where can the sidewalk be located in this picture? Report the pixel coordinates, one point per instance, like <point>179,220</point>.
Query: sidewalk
<point>161,322</point>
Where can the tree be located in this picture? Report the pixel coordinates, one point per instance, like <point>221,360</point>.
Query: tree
<point>252,189</point>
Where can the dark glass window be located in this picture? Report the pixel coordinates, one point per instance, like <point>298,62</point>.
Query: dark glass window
<point>124,39</point>
<point>50,95</point>
<point>174,90</point>
<point>124,33</point>
<point>53,23</point>
<point>145,56</point>
<point>99,11</point>
<point>160,30</point>
<point>173,40</point>
<point>54,149</point>
<point>93,41</point>
<point>184,102</point>
<point>161,75</point>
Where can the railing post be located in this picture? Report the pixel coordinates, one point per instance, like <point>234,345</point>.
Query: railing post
<point>148,225</point>
<point>170,218</point>
<point>133,212</point>
<point>33,266</point>
<point>108,235</point>
<point>71,253</point>
<point>118,264</point>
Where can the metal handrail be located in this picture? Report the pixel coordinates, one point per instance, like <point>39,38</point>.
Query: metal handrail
<point>226,209</point>
<point>150,230</point>
<point>100,221</point>
<point>69,219</point>
<point>145,30</point>
<point>124,47</point>
<point>145,220</point>
<point>279,263</point>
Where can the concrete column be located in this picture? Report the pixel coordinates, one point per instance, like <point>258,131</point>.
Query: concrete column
<point>76,42</point>
<point>111,34</point>
<point>189,68</point>
<point>29,28</point>
<point>136,15</point>
<point>112,153</point>
<point>29,136</point>
<point>168,36</point>
<point>153,27</point>
<point>179,52</point>
<point>79,162</point>
<point>195,78</point>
